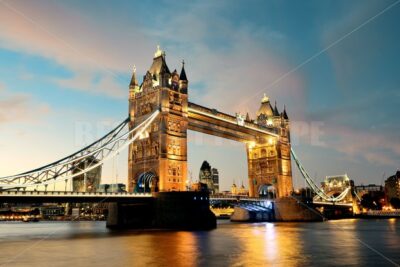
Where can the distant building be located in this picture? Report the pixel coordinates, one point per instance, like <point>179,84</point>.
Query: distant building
<point>234,189</point>
<point>372,196</point>
<point>112,188</point>
<point>371,189</point>
<point>392,188</point>
<point>207,176</point>
<point>215,178</point>
<point>89,181</point>
<point>243,191</point>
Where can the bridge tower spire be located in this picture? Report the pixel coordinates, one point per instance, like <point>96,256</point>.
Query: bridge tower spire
<point>158,161</point>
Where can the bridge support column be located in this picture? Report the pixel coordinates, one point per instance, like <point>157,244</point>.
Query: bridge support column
<point>167,210</point>
<point>162,150</point>
<point>269,165</point>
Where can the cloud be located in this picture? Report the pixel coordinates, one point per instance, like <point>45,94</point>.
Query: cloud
<point>72,39</point>
<point>19,107</point>
<point>87,81</point>
<point>2,87</point>
<point>378,149</point>
<point>223,56</point>
<point>234,64</point>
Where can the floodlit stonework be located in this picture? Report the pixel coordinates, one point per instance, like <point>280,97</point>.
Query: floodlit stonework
<point>158,160</point>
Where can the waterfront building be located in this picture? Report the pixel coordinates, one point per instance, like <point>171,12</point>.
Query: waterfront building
<point>89,181</point>
<point>52,211</point>
<point>392,190</point>
<point>242,190</point>
<point>372,196</point>
<point>234,189</point>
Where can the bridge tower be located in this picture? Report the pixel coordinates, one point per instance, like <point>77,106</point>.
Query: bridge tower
<point>269,162</point>
<point>158,160</point>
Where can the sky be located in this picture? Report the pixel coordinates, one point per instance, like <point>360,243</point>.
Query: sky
<point>65,68</point>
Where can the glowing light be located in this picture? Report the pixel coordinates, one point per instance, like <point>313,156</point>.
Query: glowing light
<point>144,135</point>
<point>265,99</point>
<point>269,225</point>
<point>251,145</point>
<point>158,52</point>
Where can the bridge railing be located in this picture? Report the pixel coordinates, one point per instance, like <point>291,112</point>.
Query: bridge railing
<point>77,194</point>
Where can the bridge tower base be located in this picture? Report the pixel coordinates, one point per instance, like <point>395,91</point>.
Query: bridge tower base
<point>167,210</point>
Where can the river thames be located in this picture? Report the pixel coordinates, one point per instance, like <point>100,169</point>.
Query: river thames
<point>334,243</point>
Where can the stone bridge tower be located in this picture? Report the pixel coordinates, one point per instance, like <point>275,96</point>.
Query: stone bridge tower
<point>269,162</point>
<point>158,160</point>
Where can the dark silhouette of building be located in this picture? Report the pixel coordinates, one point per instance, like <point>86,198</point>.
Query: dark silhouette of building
<point>392,190</point>
<point>89,181</point>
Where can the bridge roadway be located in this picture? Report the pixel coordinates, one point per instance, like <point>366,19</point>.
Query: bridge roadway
<point>339,204</point>
<point>213,122</point>
<point>71,197</point>
<point>82,197</point>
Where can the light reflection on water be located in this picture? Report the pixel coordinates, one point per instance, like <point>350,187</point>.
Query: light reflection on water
<point>333,243</point>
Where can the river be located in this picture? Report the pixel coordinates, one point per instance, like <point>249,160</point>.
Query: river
<point>334,243</point>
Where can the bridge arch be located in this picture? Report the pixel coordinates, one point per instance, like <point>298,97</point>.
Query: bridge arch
<point>267,190</point>
<point>146,182</point>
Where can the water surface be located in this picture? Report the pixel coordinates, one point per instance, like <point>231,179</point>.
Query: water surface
<point>334,243</point>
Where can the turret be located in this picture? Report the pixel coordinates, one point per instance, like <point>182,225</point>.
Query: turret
<point>183,81</point>
<point>276,112</point>
<point>134,85</point>
<point>284,114</point>
<point>159,70</point>
<point>265,112</point>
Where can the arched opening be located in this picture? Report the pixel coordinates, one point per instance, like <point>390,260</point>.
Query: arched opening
<point>146,183</point>
<point>267,190</point>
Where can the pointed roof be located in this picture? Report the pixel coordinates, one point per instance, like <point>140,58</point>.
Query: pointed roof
<point>265,108</point>
<point>134,81</point>
<point>284,114</point>
<point>276,112</point>
<point>205,166</point>
<point>182,76</point>
<point>159,65</point>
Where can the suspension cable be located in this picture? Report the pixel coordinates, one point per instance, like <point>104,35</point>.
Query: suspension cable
<point>49,174</point>
<point>321,193</point>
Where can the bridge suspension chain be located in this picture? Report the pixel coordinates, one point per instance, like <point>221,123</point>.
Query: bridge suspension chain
<point>314,186</point>
<point>89,157</point>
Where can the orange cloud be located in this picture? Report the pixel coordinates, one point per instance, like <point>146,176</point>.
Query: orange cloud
<point>19,107</point>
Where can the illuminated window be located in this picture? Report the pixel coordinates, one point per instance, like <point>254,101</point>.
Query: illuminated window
<point>263,153</point>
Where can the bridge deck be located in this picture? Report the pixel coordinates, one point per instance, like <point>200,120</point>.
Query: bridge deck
<point>73,197</point>
<point>211,121</point>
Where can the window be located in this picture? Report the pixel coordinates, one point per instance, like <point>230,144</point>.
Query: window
<point>263,153</point>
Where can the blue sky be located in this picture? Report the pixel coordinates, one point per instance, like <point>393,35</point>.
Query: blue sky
<point>65,68</point>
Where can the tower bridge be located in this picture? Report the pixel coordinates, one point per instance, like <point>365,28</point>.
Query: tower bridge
<point>155,134</point>
<point>162,155</point>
